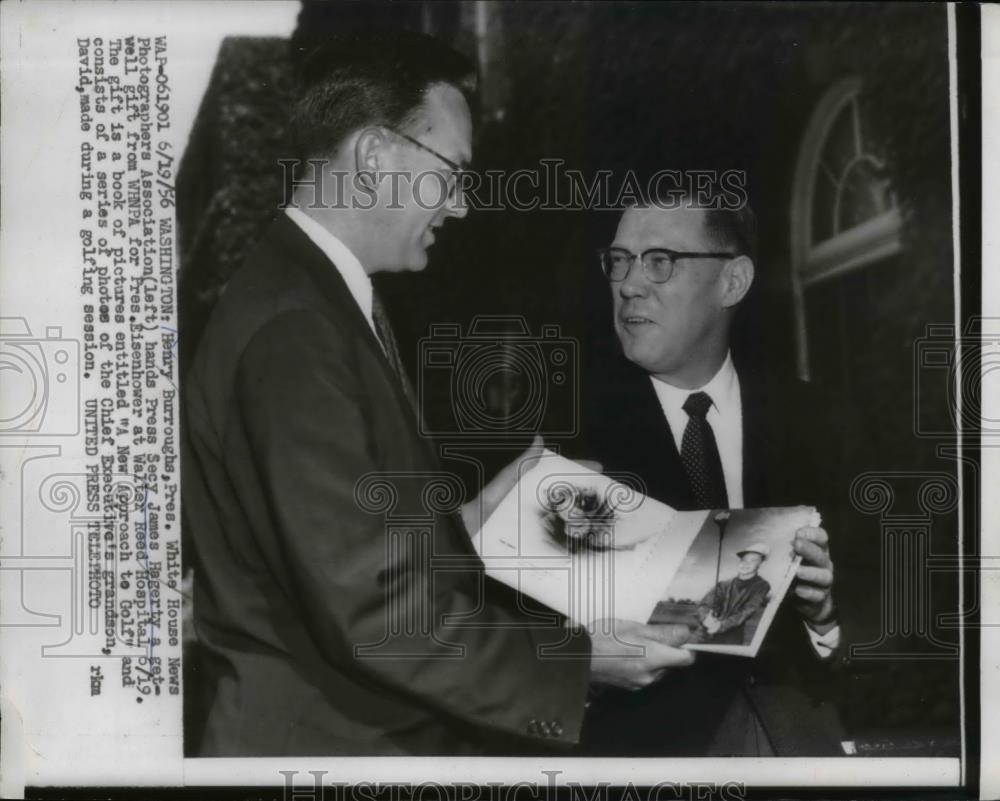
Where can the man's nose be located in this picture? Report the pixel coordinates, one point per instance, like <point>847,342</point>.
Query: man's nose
<point>456,206</point>
<point>635,283</point>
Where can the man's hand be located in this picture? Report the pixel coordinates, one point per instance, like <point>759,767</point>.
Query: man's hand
<point>478,510</point>
<point>616,661</point>
<point>813,585</point>
<point>711,623</point>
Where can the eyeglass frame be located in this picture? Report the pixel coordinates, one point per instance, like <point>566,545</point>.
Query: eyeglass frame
<point>673,255</point>
<point>454,165</point>
<point>457,169</point>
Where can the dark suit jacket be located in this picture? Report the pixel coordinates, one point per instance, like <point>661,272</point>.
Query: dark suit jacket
<point>289,402</point>
<point>626,430</point>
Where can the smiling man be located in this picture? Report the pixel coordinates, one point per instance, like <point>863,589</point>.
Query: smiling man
<point>325,630</point>
<point>702,434</point>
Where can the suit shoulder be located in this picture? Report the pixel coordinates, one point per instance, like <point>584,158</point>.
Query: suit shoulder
<point>266,286</point>
<point>273,292</point>
<point>273,281</point>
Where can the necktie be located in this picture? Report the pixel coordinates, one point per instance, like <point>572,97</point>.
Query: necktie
<point>700,455</point>
<point>383,329</point>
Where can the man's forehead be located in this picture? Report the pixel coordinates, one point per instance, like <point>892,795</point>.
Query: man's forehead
<point>649,226</point>
<point>445,121</point>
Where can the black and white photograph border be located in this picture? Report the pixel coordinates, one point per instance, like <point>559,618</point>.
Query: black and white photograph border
<point>841,304</point>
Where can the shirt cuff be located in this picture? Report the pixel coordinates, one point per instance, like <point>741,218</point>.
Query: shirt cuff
<point>824,644</point>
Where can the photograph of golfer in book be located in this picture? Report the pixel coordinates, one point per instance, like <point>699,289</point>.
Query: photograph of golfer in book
<point>733,578</point>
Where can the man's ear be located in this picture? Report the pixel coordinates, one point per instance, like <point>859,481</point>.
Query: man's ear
<point>368,155</point>
<point>737,277</point>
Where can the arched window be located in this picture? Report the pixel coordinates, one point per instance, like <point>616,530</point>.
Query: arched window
<point>844,213</point>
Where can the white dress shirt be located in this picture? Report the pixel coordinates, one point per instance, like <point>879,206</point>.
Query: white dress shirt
<point>725,416</point>
<point>359,284</point>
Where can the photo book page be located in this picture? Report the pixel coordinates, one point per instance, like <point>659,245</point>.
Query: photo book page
<point>592,547</point>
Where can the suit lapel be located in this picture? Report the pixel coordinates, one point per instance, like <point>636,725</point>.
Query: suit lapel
<point>644,442</point>
<point>650,443</point>
<point>297,247</point>
<point>756,444</point>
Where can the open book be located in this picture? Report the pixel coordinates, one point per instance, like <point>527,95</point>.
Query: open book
<point>592,547</point>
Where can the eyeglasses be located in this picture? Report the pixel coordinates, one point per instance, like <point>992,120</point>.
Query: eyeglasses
<point>657,263</point>
<point>456,169</point>
<point>455,166</point>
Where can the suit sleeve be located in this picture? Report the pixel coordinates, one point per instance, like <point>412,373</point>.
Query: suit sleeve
<point>308,422</point>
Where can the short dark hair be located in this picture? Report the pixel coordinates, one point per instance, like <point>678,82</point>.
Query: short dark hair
<point>376,78</point>
<point>732,228</point>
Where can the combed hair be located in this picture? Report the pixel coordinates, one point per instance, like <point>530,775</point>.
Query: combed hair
<point>734,230</point>
<point>731,229</point>
<point>376,78</point>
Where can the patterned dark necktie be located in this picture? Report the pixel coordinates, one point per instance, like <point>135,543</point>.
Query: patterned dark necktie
<point>383,329</point>
<point>700,455</point>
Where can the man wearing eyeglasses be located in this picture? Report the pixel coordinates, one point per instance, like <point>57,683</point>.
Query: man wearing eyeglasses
<point>703,435</point>
<point>338,598</point>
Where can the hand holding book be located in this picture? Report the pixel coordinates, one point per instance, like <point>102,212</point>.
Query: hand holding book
<point>633,655</point>
<point>593,548</point>
<point>814,580</point>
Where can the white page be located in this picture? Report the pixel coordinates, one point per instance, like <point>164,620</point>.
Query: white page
<point>651,540</point>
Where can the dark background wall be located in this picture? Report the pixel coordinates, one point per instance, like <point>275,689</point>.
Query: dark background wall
<point>644,87</point>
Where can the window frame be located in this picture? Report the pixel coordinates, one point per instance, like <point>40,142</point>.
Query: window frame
<point>859,246</point>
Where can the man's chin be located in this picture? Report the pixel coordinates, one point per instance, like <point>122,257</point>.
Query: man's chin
<point>637,340</point>
<point>415,264</point>
<point>637,354</point>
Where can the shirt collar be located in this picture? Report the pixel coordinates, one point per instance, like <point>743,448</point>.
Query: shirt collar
<point>723,389</point>
<point>358,282</point>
